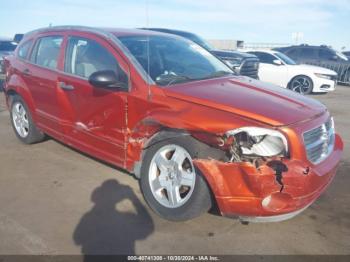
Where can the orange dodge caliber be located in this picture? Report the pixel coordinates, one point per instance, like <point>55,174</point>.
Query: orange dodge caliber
<point>163,108</point>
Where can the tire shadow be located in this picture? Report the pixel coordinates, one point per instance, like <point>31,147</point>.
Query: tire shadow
<point>104,230</point>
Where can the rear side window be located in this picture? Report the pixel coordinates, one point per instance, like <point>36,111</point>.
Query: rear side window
<point>326,54</point>
<point>85,57</point>
<point>46,51</point>
<point>24,49</point>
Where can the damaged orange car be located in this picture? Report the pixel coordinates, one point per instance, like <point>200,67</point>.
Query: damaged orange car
<point>168,111</point>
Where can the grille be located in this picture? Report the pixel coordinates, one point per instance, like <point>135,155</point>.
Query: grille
<point>319,141</point>
<point>250,68</point>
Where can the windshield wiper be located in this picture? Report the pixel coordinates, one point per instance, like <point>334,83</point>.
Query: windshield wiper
<point>172,79</point>
<point>217,74</point>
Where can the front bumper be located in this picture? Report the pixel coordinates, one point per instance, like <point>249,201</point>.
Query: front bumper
<point>322,85</point>
<point>243,190</point>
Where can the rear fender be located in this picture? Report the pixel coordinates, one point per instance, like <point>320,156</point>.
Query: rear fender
<point>16,86</point>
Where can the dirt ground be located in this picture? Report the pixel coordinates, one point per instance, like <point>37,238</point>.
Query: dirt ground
<point>54,200</point>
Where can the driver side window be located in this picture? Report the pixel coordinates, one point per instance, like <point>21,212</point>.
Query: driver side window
<point>265,57</point>
<point>85,56</point>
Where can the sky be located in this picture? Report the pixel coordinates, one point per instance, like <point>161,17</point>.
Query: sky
<point>254,21</point>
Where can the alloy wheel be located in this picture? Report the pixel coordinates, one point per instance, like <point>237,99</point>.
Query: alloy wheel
<point>301,85</point>
<point>172,176</point>
<point>20,119</point>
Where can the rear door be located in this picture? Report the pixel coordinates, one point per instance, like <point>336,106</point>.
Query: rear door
<point>94,119</point>
<point>308,55</point>
<point>42,80</point>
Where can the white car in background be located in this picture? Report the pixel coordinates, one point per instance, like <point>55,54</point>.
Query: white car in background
<point>279,69</point>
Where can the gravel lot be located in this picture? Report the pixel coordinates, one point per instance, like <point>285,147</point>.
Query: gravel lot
<point>54,200</point>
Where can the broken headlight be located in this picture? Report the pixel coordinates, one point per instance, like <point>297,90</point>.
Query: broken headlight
<point>257,141</point>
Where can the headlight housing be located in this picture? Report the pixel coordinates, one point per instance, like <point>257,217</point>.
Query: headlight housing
<point>257,141</point>
<point>330,77</point>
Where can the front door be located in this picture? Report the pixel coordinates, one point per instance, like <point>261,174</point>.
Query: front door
<point>94,119</point>
<point>271,72</point>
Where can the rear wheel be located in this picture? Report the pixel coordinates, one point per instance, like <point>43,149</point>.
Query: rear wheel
<point>22,122</point>
<point>171,185</point>
<point>301,84</point>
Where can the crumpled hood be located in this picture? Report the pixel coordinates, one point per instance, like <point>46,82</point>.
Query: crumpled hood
<point>249,98</point>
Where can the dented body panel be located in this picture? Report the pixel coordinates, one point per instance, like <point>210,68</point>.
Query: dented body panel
<point>240,188</point>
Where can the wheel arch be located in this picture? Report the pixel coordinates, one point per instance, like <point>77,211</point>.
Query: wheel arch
<point>200,148</point>
<point>19,88</point>
<point>203,151</point>
<point>299,75</point>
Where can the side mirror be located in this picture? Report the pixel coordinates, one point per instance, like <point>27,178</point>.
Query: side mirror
<point>277,62</point>
<point>107,79</point>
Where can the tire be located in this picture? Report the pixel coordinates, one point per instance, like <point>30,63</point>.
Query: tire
<point>195,196</point>
<point>301,84</point>
<point>22,122</point>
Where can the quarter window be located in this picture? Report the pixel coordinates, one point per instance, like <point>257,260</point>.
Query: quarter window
<point>24,49</point>
<point>85,57</point>
<point>47,51</point>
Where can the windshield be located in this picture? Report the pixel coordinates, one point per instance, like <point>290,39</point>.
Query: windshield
<point>7,46</point>
<point>174,60</point>
<point>286,59</point>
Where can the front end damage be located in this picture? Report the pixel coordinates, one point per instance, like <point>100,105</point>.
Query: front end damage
<point>254,173</point>
<point>272,188</point>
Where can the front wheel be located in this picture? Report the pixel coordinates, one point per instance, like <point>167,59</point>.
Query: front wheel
<point>170,183</point>
<point>301,84</point>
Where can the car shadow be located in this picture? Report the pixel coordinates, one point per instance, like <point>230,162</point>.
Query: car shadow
<point>107,230</point>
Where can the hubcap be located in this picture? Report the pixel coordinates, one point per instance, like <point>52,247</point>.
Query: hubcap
<point>301,85</point>
<point>20,119</point>
<point>172,176</point>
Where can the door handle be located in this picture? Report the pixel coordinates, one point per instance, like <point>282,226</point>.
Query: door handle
<point>27,72</point>
<point>64,86</point>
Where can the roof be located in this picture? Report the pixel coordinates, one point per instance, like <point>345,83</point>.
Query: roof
<point>167,30</point>
<point>101,31</point>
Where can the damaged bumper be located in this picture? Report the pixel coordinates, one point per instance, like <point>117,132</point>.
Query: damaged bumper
<point>254,194</point>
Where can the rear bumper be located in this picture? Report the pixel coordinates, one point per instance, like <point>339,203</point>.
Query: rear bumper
<point>253,193</point>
